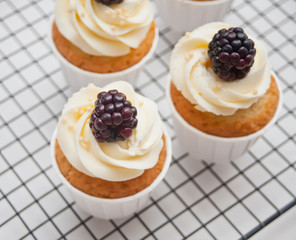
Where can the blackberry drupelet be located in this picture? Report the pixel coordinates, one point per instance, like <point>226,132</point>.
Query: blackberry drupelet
<point>231,53</point>
<point>113,117</point>
<point>109,2</point>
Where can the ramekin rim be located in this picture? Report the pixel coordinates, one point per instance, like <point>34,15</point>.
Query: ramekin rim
<point>143,192</point>
<point>106,75</point>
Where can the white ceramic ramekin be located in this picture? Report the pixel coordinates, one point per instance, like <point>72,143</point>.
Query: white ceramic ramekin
<point>186,15</point>
<point>203,146</point>
<point>78,78</point>
<point>112,208</point>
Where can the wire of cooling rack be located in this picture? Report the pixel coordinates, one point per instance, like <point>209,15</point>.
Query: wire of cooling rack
<point>196,200</point>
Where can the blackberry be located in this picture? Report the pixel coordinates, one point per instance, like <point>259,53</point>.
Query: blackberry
<point>113,117</point>
<point>231,53</point>
<point>109,2</point>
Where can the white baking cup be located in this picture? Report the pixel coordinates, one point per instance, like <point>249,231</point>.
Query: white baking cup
<point>203,146</point>
<point>78,78</point>
<point>113,208</point>
<point>186,15</point>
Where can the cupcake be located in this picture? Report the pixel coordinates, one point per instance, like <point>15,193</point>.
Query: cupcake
<point>110,149</point>
<point>186,15</point>
<point>221,90</point>
<point>102,40</point>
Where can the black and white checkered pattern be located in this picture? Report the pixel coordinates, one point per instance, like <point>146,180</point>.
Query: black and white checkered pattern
<point>196,200</point>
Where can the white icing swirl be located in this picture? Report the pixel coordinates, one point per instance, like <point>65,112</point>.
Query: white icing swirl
<point>116,161</point>
<point>202,87</point>
<point>102,30</point>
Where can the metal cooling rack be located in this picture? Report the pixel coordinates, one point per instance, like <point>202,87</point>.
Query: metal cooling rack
<point>196,200</point>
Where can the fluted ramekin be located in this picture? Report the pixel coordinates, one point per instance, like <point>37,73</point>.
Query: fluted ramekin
<point>203,146</point>
<point>186,15</point>
<point>112,208</point>
<point>78,78</point>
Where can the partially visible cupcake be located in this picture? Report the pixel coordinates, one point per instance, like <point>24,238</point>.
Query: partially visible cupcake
<point>110,149</point>
<point>221,90</point>
<point>186,15</point>
<point>106,37</point>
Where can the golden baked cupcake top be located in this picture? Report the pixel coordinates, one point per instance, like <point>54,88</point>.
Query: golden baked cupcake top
<point>221,81</point>
<point>104,30</point>
<point>135,150</point>
<point>193,75</point>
